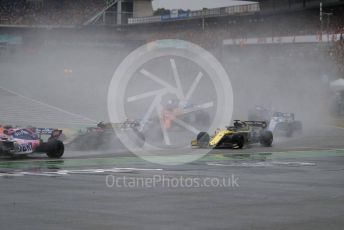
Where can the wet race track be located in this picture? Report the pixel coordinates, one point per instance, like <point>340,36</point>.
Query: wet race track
<point>296,184</point>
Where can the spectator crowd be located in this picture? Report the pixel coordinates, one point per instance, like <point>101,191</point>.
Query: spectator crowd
<point>255,26</point>
<point>208,33</point>
<point>48,12</point>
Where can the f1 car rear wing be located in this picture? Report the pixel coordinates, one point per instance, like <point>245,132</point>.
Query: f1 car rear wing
<point>240,125</point>
<point>47,132</point>
<point>280,114</point>
<point>124,125</point>
<point>257,124</point>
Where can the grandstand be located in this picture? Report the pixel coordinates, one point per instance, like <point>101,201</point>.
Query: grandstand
<point>52,13</point>
<point>71,13</point>
<point>87,21</point>
<point>277,5</point>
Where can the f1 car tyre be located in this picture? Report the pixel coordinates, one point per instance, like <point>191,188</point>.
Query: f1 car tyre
<point>266,138</point>
<point>54,149</point>
<point>238,140</point>
<point>203,139</point>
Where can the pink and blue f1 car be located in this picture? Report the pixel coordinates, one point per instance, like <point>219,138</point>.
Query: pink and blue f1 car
<point>25,141</point>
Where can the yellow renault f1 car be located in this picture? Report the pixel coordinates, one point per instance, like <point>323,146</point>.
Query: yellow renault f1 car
<point>237,136</point>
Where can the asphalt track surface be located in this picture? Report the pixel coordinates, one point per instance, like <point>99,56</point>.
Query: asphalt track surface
<point>296,184</point>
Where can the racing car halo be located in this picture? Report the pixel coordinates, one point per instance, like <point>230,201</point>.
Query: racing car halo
<point>237,136</point>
